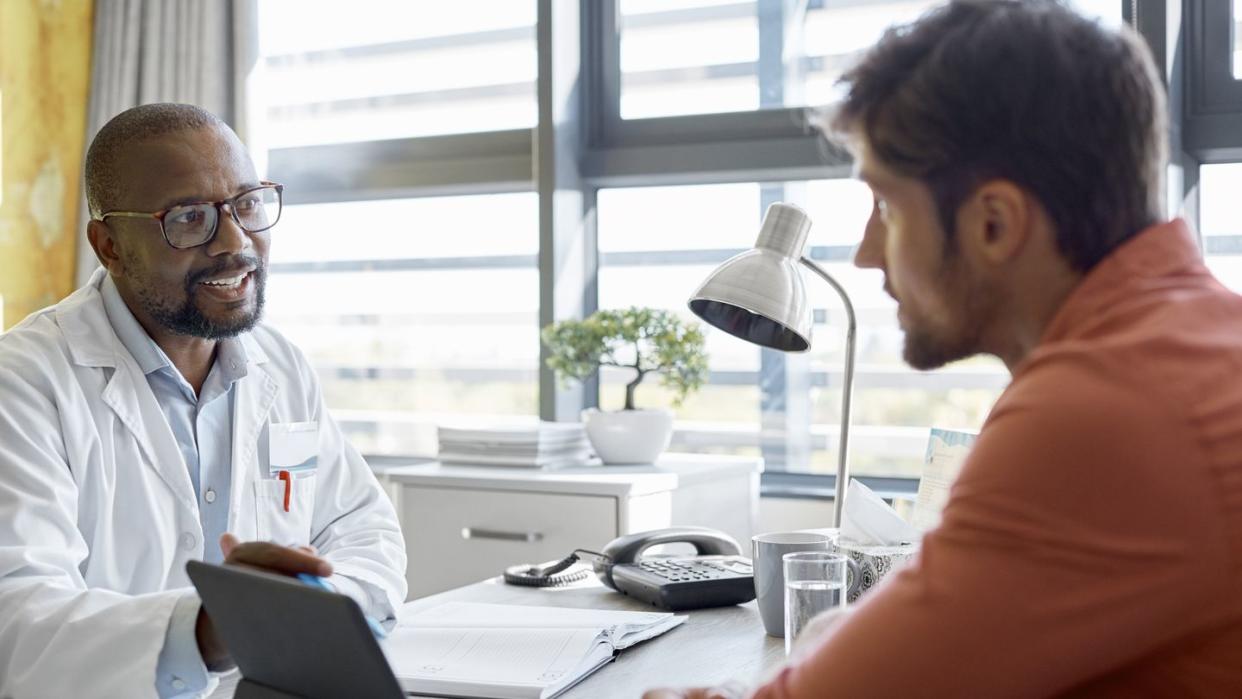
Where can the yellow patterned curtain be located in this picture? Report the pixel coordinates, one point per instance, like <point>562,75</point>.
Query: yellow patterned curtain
<point>45,48</point>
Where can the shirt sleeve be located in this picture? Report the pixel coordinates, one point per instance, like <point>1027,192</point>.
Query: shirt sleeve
<point>355,526</point>
<point>356,530</point>
<point>372,600</point>
<point>180,670</point>
<point>1074,543</point>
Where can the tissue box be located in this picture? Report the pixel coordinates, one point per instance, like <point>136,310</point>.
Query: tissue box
<point>874,562</point>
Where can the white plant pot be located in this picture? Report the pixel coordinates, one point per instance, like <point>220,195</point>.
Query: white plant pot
<point>628,436</point>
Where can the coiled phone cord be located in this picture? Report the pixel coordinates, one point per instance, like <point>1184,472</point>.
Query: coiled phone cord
<point>552,573</point>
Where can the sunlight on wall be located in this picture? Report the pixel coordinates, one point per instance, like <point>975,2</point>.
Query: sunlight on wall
<point>45,48</point>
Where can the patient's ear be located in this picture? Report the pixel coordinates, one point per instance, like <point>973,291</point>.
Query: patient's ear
<point>103,242</point>
<point>994,222</point>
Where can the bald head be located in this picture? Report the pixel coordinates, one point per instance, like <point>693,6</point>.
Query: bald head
<point>104,186</point>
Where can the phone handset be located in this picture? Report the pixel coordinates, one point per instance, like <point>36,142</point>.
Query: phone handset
<point>627,549</point>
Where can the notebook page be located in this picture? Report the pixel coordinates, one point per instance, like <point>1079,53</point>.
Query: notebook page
<point>622,637</point>
<point>502,663</point>
<point>481,615</point>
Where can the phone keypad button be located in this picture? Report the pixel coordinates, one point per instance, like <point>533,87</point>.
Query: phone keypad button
<point>673,571</point>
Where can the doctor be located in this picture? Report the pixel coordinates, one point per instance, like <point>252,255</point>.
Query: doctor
<point>149,419</point>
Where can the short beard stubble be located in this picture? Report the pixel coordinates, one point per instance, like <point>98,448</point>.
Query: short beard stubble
<point>188,320</point>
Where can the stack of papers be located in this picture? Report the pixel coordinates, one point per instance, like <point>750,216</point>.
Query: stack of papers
<point>540,445</point>
<point>465,649</point>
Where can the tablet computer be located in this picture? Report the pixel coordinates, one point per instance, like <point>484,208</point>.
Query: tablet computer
<point>287,636</point>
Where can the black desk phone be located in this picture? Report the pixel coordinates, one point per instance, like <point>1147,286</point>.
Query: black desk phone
<point>717,576</point>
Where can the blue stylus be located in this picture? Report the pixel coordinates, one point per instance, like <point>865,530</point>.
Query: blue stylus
<point>316,581</point>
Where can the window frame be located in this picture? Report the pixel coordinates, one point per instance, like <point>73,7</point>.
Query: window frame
<point>1213,107</point>
<point>757,146</point>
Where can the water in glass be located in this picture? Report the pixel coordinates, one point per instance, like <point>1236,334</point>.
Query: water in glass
<point>806,598</point>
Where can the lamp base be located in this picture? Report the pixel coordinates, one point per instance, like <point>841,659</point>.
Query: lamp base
<point>628,436</point>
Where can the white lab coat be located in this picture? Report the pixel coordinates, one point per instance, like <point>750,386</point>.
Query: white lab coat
<point>98,515</point>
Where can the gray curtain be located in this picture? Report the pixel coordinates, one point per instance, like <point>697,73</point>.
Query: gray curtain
<point>195,51</point>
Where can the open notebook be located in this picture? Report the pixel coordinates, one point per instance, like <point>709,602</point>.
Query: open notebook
<point>465,649</point>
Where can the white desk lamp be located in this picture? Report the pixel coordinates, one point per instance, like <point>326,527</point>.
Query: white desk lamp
<point>759,297</point>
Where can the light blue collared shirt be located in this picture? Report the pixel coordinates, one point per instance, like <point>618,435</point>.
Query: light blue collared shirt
<point>202,426</point>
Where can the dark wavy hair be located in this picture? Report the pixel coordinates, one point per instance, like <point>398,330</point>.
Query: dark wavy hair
<point>1023,90</point>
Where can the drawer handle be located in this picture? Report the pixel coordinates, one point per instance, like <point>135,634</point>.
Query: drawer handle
<point>477,533</point>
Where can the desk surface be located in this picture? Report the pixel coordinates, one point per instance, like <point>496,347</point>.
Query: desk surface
<point>713,646</point>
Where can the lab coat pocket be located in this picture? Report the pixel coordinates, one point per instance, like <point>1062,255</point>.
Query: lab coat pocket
<point>293,447</point>
<point>285,509</point>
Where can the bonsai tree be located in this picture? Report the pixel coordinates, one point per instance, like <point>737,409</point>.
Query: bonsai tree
<point>645,340</point>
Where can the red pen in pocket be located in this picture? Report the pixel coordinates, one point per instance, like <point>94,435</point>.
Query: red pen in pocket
<point>288,479</point>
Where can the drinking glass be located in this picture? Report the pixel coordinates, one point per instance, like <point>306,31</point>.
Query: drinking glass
<point>815,581</point>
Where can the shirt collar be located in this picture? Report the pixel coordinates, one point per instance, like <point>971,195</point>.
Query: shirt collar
<point>230,352</point>
<point>141,347</point>
<point>1136,265</point>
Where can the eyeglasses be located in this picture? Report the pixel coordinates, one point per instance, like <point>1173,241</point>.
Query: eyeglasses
<point>190,225</point>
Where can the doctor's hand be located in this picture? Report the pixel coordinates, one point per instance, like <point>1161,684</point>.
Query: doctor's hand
<point>274,558</point>
<point>264,555</point>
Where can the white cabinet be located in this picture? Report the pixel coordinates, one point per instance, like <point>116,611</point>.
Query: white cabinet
<point>463,524</point>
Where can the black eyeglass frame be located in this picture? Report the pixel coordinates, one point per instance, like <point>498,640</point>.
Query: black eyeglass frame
<point>231,202</point>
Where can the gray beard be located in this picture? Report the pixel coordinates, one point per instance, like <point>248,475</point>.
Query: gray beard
<point>187,320</point>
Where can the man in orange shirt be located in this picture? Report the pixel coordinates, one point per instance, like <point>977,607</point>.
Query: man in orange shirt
<point>1092,545</point>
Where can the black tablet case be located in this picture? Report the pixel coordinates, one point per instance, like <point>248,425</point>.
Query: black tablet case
<point>288,636</point>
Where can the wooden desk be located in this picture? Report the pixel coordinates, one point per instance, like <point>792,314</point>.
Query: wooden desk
<point>713,646</point>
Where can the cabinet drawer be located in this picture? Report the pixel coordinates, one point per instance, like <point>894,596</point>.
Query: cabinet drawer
<point>454,537</point>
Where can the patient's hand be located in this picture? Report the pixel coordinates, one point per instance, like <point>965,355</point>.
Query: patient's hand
<point>806,643</point>
<point>729,690</point>
<point>264,555</point>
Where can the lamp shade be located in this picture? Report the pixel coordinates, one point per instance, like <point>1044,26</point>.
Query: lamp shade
<point>758,295</point>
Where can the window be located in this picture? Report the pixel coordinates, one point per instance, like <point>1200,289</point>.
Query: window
<point>415,297</point>
<point>1237,50</point>
<point>799,49</point>
<point>1109,12</point>
<point>657,243</point>
<point>1219,223</point>
<point>412,311</point>
<point>1212,97</point>
<point>382,70</point>
<point>703,56</point>
<point>408,266</point>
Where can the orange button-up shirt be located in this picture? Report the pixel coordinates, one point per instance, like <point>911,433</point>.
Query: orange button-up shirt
<point>1092,545</point>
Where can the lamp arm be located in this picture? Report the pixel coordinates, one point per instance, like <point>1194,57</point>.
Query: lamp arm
<point>847,390</point>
